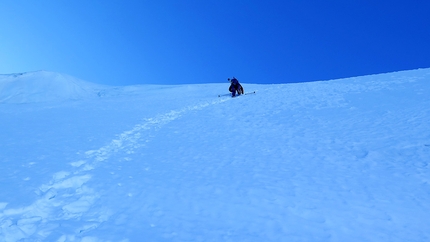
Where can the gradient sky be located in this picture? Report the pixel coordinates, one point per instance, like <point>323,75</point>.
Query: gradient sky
<point>123,42</point>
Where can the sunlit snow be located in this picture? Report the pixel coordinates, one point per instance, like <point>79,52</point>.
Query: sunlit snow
<point>340,160</point>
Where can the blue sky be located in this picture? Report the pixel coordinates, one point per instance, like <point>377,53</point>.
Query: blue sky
<point>191,41</point>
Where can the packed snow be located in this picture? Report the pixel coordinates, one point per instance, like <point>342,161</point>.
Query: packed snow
<point>340,160</point>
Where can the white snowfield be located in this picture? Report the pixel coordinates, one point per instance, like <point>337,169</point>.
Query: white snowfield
<point>341,160</point>
<point>43,86</point>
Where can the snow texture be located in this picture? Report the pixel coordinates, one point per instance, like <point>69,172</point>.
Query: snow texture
<point>340,160</point>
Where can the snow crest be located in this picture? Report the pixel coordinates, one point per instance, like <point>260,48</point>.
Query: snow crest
<point>43,86</point>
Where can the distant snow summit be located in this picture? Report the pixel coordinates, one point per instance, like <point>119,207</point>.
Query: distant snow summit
<point>43,86</point>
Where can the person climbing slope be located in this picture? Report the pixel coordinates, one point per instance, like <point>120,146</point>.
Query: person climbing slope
<point>235,87</point>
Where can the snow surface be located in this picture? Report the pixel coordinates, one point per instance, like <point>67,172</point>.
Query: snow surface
<point>43,86</point>
<point>341,160</point>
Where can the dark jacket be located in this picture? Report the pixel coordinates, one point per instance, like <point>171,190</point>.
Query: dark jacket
<point>235,86</point>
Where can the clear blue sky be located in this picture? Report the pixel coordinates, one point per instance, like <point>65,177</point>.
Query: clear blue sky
<point>126,42</point>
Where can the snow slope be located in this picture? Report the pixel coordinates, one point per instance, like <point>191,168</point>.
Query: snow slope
<point>43,86</point>
<point>341,160</point>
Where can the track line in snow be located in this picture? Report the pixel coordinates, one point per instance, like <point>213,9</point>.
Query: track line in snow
<point>68,197</point>
<point>130,140</point>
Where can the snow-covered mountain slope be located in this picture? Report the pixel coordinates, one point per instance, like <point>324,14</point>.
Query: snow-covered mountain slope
<point>341,160</point>
<point>43,86</point>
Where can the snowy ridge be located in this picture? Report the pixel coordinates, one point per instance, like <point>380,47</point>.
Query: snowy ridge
<point>341,160</point>
<point>43,86</point>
